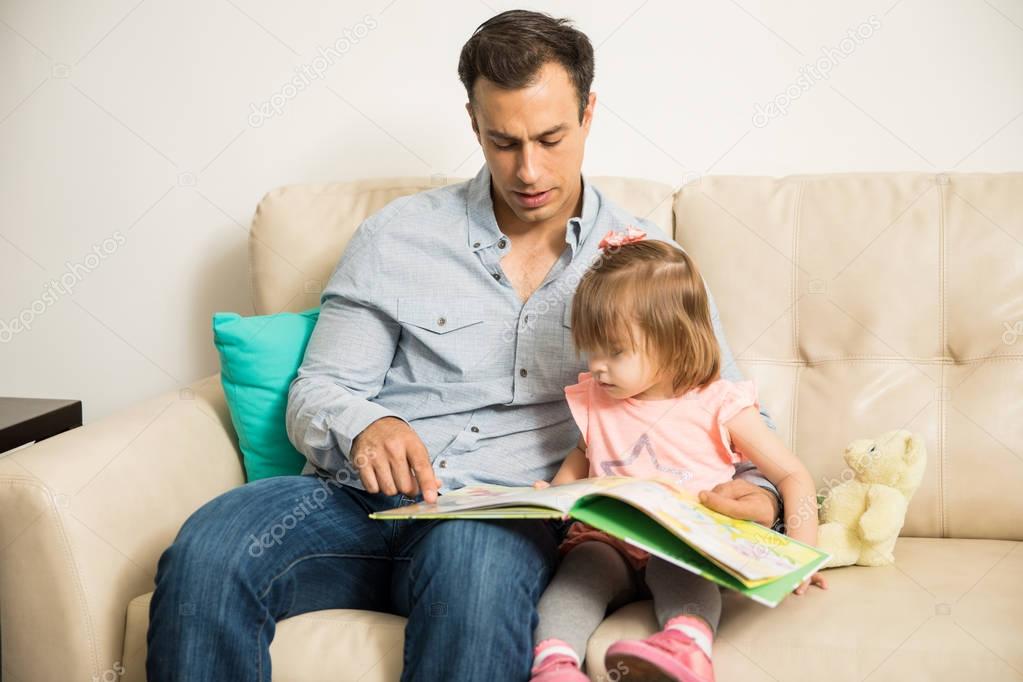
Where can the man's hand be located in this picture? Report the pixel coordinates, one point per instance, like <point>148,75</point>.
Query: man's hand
<point>390,457</point>
<point>742,500</point>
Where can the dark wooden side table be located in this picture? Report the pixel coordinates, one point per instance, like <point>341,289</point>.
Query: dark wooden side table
<point>24,420</point>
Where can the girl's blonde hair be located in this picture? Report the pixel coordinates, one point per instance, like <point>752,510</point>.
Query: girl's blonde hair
<point>658,288</point>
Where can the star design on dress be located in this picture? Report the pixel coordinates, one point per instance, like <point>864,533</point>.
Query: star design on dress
<point>641,447</point>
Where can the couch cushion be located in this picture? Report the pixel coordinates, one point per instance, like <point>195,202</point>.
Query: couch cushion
<point>949,609</point>
<point>320,646</point>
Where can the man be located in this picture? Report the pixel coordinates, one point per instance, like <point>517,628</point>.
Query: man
<point>439,359</point>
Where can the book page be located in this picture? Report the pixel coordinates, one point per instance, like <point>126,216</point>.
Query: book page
<point>754,552</point>
<point>559,499</point>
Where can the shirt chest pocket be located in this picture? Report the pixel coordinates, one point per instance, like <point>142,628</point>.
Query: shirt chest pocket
<point>447,338</point>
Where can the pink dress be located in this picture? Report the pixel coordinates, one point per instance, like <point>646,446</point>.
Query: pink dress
<point>683,438</point>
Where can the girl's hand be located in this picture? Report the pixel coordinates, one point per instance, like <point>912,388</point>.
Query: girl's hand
<point>815,579</point>
<point>540,485</point>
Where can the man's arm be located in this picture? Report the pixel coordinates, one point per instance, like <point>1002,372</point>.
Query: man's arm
<point>349,353</point>
<point>730,370</point>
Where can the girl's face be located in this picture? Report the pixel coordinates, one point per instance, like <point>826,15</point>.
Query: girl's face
<point>628,373</point>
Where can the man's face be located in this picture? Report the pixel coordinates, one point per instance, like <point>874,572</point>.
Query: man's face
<point>533,143</point>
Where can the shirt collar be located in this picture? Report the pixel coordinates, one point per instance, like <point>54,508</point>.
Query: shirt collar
<point>483,229</point>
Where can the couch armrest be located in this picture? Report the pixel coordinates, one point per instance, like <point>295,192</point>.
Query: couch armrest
<point>85,517</point>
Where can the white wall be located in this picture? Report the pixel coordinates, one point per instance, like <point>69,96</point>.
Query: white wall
<point>131,122</point>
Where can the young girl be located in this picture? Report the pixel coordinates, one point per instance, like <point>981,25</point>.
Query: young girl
<point>653,404</point>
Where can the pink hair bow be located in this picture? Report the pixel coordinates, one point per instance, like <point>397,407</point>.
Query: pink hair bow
<point>616,239</point>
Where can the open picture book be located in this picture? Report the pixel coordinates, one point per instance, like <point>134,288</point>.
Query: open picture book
<point>650,514</point>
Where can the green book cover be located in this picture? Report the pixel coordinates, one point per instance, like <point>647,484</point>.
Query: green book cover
<point>627,523</point>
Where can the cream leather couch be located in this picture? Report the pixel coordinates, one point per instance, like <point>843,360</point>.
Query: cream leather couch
<point>860,303</point>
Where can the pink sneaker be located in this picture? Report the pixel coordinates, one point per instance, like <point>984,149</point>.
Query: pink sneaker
<point>667,656</point>
<point>560,665</point>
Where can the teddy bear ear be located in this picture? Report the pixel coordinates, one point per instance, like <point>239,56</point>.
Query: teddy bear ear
<point>914,447</point>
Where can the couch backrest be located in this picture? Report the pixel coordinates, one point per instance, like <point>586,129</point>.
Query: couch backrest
<point>872,302</point>
<point>859,303</point>
<point>300,231</point>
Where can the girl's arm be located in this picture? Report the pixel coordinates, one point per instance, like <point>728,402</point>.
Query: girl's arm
<point>764,448</point>
<point>767,451</point>
<point>574,467</point>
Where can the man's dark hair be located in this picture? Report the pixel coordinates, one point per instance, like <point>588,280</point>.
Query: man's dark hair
<point>510,48</point>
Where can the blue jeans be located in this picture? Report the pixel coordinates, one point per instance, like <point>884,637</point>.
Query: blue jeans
<point>279,547</point>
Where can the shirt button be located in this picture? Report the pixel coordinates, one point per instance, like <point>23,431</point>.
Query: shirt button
<point>443,464</point>
<point>475,429</point>
<point>441,321</point>
<point>496,275</point>
<point>475,245</point>
<point>522,372</point>
<point>501,243</point>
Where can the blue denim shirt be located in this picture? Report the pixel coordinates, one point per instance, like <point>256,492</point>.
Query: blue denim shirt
<point>419,322</point>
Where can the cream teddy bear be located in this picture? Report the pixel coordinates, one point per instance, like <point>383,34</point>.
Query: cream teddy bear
<point>861,519</point>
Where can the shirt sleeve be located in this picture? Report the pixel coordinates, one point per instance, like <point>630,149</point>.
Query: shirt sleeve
<point>330,401</point>
<point>578,397</point>
<point>735,397</point>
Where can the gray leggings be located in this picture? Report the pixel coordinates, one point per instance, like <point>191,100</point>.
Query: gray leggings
<point>594,578</point>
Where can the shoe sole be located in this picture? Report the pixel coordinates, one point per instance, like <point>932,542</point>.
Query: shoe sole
<point>640,670</point>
